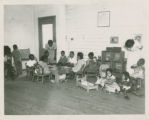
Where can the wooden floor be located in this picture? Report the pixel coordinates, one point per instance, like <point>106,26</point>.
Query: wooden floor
<point>24,97</point>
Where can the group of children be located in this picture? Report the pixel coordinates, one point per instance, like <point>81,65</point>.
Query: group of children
<point>105,77</point>
<point>108,82</point>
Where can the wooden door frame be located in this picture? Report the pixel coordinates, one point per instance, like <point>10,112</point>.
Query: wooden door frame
<point>44,20</point>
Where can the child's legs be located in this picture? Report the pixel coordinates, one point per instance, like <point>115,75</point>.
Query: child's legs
<point>116,86</point>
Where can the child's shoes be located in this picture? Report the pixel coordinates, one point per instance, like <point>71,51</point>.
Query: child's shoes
<point>126,97</point>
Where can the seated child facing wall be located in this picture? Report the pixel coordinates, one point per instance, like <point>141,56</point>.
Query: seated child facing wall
<point>44,65</point>
<point>102,75</point>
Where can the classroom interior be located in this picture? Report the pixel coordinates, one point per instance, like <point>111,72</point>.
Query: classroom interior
<point>78,28</point>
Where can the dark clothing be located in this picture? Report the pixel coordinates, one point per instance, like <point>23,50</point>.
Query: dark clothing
<point>17,61</point>
<point>62,61</point>
<point>91,67</point>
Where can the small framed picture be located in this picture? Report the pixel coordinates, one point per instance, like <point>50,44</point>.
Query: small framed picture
<point>114,40</point>
<point>103,19</point>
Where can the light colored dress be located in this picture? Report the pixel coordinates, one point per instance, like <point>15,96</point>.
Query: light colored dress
<point>111,85</point>
<point>102,71</point>
<point>78,66</point>
<point>51,51</point>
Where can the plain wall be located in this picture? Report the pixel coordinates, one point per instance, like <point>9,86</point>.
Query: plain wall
<point>76,25</point>
<point>21,26</point>
<point>83,34</point>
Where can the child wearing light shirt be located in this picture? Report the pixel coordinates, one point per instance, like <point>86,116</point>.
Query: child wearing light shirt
<point>79,64</point>
<point>71,59</point>
<point>32,62</point>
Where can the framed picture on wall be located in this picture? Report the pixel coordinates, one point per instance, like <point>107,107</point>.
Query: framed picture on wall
<point>103,19</point>
<point>114,40</point>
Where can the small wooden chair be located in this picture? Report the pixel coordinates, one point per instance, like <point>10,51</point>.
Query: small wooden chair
<point>80,76</point>
<point>39,73</point>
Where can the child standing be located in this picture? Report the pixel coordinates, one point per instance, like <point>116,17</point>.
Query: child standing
<point>126,84</point>
<point>17,59</point>
<point>110,83</point>
<point>63,59</point>
<point>101,79</point>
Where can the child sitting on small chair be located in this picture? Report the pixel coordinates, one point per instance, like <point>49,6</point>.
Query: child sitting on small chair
<point>139,73</point>
<point>110,83</point>
<point>32,62</point>
<point>126,84</point>
<point>44,65</point>
<point>80,63</point>
<point>91,67</point>
<point>63,59</point>
<point>71,59</point>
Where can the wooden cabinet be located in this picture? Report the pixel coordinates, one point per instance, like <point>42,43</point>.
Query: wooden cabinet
<point>115,58</point>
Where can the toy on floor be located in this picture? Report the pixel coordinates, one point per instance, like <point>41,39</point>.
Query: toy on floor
<point>82,82</point>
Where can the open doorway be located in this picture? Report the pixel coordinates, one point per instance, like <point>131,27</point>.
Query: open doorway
<point>47,31</point>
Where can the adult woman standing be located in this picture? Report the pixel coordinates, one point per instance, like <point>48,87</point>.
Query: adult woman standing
<point>51,48</point>
<point>17,59</point>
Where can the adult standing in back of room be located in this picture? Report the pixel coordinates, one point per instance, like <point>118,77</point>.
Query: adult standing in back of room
<point>17,59</point>
<point>51,48</point>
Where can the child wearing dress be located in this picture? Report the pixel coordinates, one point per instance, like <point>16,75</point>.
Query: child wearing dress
<point>101,79</point>
<point>126,84</point>
<point>80,63</point>
<point>110,83</point>
<point>63,59</point>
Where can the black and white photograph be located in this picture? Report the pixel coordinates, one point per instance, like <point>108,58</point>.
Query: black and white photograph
<point>74,59</point>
